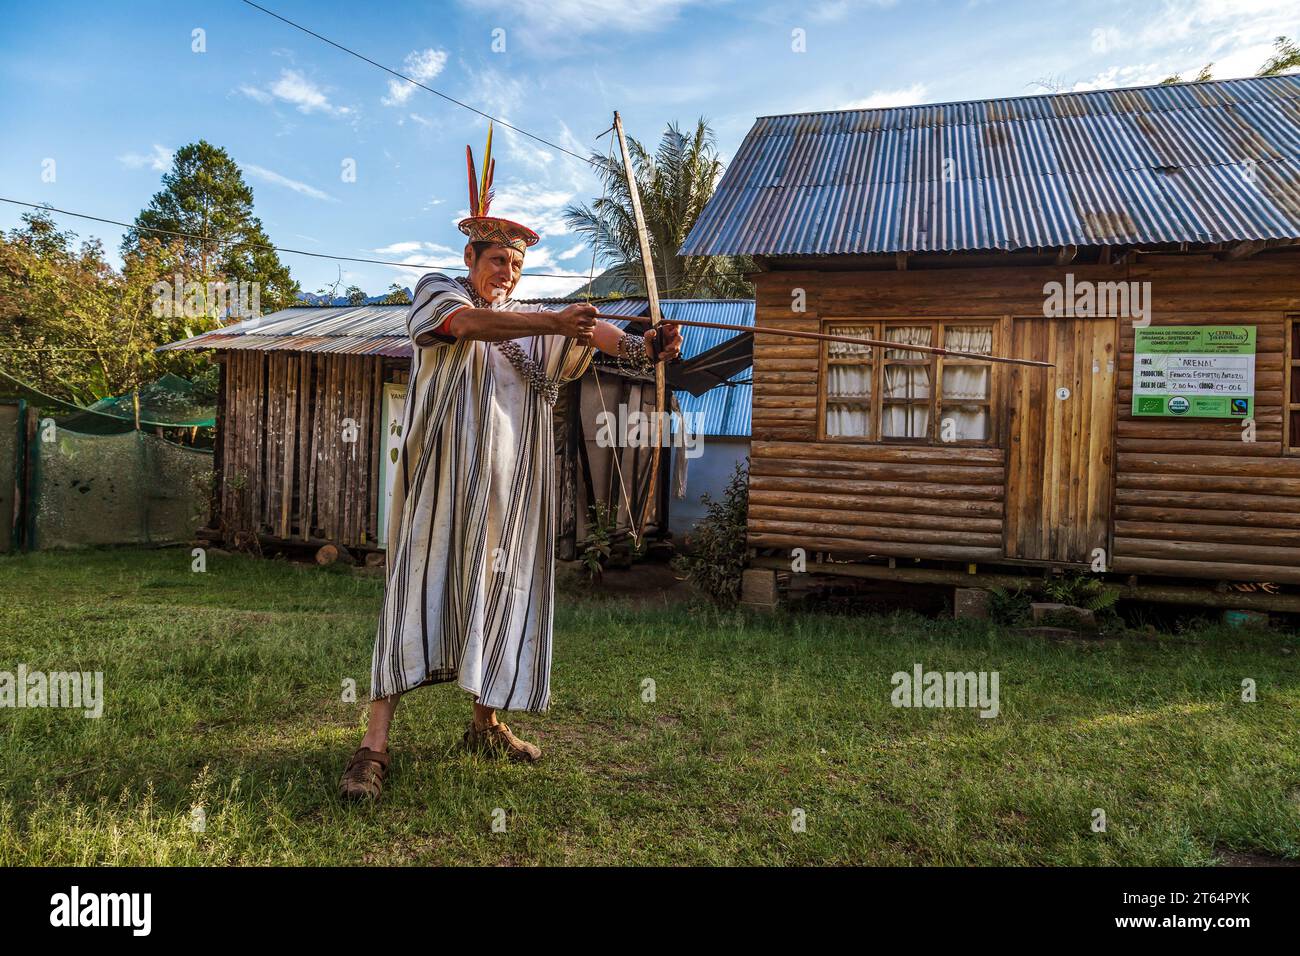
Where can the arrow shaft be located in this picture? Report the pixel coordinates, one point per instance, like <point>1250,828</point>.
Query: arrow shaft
<point>851,340</point>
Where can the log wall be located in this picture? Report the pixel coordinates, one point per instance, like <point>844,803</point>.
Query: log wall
<point>287,471</point>
<point>1190,498</point>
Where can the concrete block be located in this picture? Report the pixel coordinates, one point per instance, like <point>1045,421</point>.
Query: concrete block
<point>971,603</point>
<point>758,588</point>
<point>1054,613</point>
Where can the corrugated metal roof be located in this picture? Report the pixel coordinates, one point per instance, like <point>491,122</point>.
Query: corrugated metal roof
<point>1197,162</point>
<point>725,410</point>
<point>381,330</point>
<point>722,411</point>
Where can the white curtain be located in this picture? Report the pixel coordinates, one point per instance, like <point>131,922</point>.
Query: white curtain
<point>849,419</point>
<point>910,383</point>
<point>971,422</point>
<point>848,381</point>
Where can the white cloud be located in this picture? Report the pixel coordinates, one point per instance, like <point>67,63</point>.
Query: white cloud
<point>421,65</point>
<point>400,248</point>
<point>421,255</point>
<point>883,99</point>
<point>571,17</point>
<point>572,252</point>
<point>158,159</point>
<point>1142,74</point>
<point>295,89</point>
<point>270,176</point>
<point>1236,36</point>
<point>536,206</point>
<point>502,96</point>
<point>830,11</point>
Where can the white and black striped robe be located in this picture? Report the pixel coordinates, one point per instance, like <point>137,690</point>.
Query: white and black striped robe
<point>471,561</point>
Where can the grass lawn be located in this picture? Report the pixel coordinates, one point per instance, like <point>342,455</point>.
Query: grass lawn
<point>223,690</point>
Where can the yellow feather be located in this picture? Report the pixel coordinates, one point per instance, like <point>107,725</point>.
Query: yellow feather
<point>487,161</point>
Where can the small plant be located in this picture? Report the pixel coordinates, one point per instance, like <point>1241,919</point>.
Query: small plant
<point>1080,590</point>
<point>596,547</point>
<point>1011,607</point>
<point>717,557</point>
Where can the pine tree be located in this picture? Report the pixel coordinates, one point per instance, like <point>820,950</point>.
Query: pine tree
<point>204,194</point>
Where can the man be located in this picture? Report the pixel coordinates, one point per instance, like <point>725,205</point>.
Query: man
<point>471,558</point>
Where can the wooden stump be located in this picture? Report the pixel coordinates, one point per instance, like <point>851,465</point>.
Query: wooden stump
<point>329,553</point>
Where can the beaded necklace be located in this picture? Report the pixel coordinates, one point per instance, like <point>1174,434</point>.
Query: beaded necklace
<point>525,365</point>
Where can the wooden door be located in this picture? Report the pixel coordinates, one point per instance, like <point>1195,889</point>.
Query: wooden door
<point>1059,454</point>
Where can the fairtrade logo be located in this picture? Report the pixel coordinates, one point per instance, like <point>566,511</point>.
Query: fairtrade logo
<point>1178,405</point>
<point>1239,406</point>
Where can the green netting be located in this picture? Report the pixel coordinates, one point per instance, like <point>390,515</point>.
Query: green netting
<point>11,451</point>
<point>163,405</point>
<point>169,400</point>
<point>130,488</point>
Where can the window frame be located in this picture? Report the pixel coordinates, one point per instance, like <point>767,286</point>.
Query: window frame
<point>935,363</point>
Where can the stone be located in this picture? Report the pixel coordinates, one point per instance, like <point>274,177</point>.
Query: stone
<point>1235,618</point>
<point>970,603</point>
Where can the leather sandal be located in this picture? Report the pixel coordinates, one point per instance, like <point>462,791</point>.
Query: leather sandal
<point>363,779</point>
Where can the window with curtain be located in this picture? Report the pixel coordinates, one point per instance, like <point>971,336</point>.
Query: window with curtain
<point>849,377</point>
<point>901,395</point>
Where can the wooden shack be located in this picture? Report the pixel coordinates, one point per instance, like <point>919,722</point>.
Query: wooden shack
<point>309,403</point>
<point>979,226</point>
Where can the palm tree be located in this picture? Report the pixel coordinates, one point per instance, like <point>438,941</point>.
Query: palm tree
<point>675,183</point>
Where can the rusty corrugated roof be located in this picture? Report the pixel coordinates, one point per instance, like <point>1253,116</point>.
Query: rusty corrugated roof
<point>1208,162</point>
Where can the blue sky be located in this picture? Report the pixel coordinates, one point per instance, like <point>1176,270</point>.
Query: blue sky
<point>107,91</point>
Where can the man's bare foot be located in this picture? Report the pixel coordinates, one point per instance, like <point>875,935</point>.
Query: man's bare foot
<point>484,717</point>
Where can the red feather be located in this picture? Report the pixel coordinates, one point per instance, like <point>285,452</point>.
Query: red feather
<point>473,183</point>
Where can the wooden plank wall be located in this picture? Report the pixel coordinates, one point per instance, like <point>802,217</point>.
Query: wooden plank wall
<point>287,471</point>
<point>1186,492</point>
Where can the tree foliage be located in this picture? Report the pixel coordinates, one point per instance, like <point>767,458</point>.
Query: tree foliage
<point>674,182</point>
<point>1285,59</point>
<point>204,194</point>
<point>79,330</point>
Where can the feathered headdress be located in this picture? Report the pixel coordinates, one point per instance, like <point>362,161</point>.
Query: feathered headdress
<point>479,226</point>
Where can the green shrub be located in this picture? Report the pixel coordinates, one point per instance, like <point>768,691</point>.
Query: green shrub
<point>1010,607</point>
<point>717,556</point>
<point>596,547</point>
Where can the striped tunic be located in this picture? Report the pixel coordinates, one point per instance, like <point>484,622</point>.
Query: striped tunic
<point>471,560</point>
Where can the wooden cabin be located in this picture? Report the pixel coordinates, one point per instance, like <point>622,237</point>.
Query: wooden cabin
<point>952,225</point>
<point>309,405</point>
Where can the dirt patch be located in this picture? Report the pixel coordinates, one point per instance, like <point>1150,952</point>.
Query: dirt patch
<point>644,585</point>
<point>1245,858</point>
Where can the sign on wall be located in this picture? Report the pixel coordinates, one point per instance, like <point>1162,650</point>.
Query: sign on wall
<point>1194,371</point>
<point>394,408</point>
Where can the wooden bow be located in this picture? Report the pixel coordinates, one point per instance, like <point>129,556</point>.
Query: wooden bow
<point>652,294</point>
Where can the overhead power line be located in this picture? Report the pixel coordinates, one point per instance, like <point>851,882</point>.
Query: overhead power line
<point>261,245</point>
<point>297,252</point>
<point>412,80</point>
